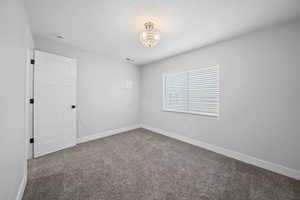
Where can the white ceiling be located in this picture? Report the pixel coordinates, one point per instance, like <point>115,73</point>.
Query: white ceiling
<point>111,27</point>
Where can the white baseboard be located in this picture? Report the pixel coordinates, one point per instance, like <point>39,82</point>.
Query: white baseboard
<point>239,156</point>
<point>22,187</point>
<point>107,133</point>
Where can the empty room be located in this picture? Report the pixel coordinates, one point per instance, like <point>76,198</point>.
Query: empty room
<point>150,100</point>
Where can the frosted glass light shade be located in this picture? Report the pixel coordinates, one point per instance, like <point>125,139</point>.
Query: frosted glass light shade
<point>150,37</point>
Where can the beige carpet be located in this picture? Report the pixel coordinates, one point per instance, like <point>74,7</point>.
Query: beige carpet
<point>142,165</point>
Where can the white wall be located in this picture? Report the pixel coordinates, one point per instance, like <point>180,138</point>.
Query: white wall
<point>102,101</point>
<point>15,40</point>
<point>260,85</point>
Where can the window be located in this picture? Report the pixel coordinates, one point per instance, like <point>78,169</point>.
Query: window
<point>195,92</point>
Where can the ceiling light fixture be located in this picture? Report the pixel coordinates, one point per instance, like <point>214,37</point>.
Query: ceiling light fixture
<point>150,36</point>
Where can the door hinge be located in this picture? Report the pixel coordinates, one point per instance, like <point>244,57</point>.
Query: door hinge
<point>31,101</point>
<point>32,61</point>
<point>31,140</point>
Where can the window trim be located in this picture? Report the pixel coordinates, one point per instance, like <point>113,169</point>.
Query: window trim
<point>164,75</point>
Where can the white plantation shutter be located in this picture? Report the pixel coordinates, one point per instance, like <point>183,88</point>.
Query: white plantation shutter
<point>195,92</point>
<point>176,92</point>
<point>204,91</point>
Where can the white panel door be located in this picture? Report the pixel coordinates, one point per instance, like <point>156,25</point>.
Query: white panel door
<point>54,96</point>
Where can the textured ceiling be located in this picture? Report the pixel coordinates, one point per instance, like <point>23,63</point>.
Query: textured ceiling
<point>111,27</point>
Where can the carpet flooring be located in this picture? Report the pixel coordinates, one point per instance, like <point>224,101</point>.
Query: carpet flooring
<point>142,165</point>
